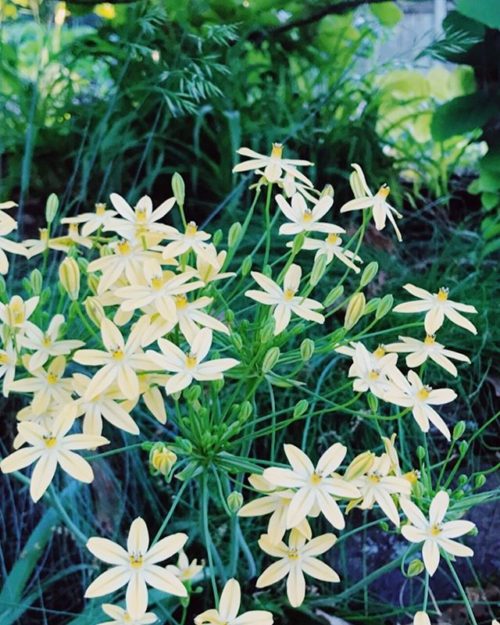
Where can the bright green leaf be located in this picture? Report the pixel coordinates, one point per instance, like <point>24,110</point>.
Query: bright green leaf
<point>462,114</point>
<point>484,11</point>
<point>387,13</point>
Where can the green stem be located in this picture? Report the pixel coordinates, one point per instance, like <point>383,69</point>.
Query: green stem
<point>267,217</point>
<point>461,590</point>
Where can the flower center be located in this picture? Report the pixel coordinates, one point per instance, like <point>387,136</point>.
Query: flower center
<point>180,301</point>
<point>288,295</point>
<point>384,191</point>
<point>4,358</point>
<point>373,375</point>
<point>307,215</point>
<point>100,209</point>
<point>277,150</point>
<point>123,247</point>
<point>50,441</point>
<point>443,294</point>
<point>424,393</point>
<point>44,235</point>
<point>333,239</point>
<point>136,560</point>
<point>293,554</point>
<point>435,530</point>
<point>430,339</point>
<point>117,354</point>
<point>379,352</point>
<point>46,341</point>
<point>52,378</point>
<point>316,479</point>
<point>73,230</point>
<point>191,229</point>
<point>157,283</point>
<point>140,215</point>
<point>191,361</point>
<point>374,479</point>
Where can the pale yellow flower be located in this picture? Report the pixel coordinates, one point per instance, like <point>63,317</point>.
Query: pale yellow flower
<point>303,218</point>
<point>421,618</point>
<point>332,248</point>
<point>7,223</point>
<point>434,533</point>
<point>284,300</point>
<point>120,616</point>
<point>274,165</point>
<point>8,363</point>
<point>50,447</point>
<point>419,351</point>
<point>211,271</point>
<point>291,186</point>
<point>127,260</point>
<point>136,567</point>
<point>297,558</point>
<point>91,221</point>
<point>229,606</point>
<point>190,239</point>
<point>412,393</point>
<point>382,210</point>
<point>71,239</point>
<point>190,317</point>
<point>47,385</point>
<point>377,486</point>
<point>140,221</point>
<point>437,306</point>
<point>370,370</point>
<point>46,344</point>
<point>185,570</point>
<point>120,362</point>
<point>106,405</point>
<point>187,367</point>
<point>16,313</point>
<point>275,502</point>
<point>316,488</point>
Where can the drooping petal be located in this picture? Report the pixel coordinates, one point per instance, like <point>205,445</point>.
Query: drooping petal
<point>108,582</point>
<point>319,570</point>
<point>434,320</point>
<point>20,459</point>
<point>330,509</point>
<point>296,586</point>
<point>430,555</point>
<point>282,315</point>
<point>136,596</point>
<point>160,578</point>
<point>274,573</point>
<point>42,475</point>
<point>75,466</point>
<point>455,548</point>
<point>300,506</point>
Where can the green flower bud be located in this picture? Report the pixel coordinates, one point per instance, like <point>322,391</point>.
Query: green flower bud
<point>69,275</point>
<point>420,452</point>
<point>36,281</point>
<point>298,242</point>
<point>51,208</point>
<point>369,272</point>
<point>245,411</point>
<point>94,310</point>
<point>318,270</point>
<point>234,234</point>
<point>306,349</point>
<point>270,359</point>
<point>161,459</point>
<point>334,294</point>
<point>300,408</point>
<point>463,448</point>
<point>234,501</point>
<point>479,480</point>
<point>92,282</point>
<point>237,341</point>
<point>357,185</point>
<point>267,331</point>
<point>384,306</point>
<point>458,430</point>
<point>415,568</point>
<point>246,266</point>
<point>179,189</point>
<point>355,310</point>
<point>462,480</point>
<point>217,238</point>
<point>384,526</point>
<point>372,402</point>
<point>327,191</point>
<point>360,465</point>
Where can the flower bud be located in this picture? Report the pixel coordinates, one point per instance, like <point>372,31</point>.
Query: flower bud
<point>360,465</point>
<point>94,310</point>
<point>372,305</point>
<point>161,459</point>
<point>384,306</point>
<point>36,281</point>
<point>334,294</point>
<point>69,275</point>
<point>298,243</point>
<point>355,310</point>
<point>462,480</point>
<point>51,208</point>
<point>93,282</point>
<point>327,191</point>
<point>234,501</point>
<point>267,331</point>
<point>415,567</point>
<point>246,266</point>
<point>369,272</point>
<point>300,408</point>
<point>318,270</point>
<point>420,452</point>
<point>372,402</point>
<point>193,393</point>
<point>463,448</point>
<point>458,430</point>
<point>270,359</point>
<point>245,411</point>
<point>480,480</point>
<point>234,234</point>
<point>237,341</point>
<point>217,238</point>
<point>179,189</point>
<point>357,185</point>
<point>307,349</point>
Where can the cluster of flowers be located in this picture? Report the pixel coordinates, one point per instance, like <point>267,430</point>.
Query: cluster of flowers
<point>148,298</point>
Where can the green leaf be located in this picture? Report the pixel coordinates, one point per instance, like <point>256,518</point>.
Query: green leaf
<point>387,13</point>
<point>490,200</point>
<point>484,11</point>
<point>463,114</point>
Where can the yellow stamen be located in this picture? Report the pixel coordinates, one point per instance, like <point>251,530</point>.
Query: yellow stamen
<point>374,479</point>
<point>52,378</point>
<point>384,191</point>
<point>141,215</point>
<point>412,476</point>
<point>73,230</point>
<point>191,229</point>
<point>293,554</point>
<point>100,209</point>
<point>123,247</point>
<point>44,235</point>
<point>136,561</point>
<point>424,393</point>
<point>277,150</point>
<point>316,479</point>
<point>442,294</point>
<point>307,215</point>
<point>374,375</point>
<point>435,530</point>
<point>117,354</point>
<point>379,352</point>
<point>333,239</point>
<point>180,301</point>
<point>157,283</point>
<point>191,361</point>
<point>430,339</point>
<point>50,441</point>
<point>289,294</point>
<point>4,359</point>
<point>46,341</point>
